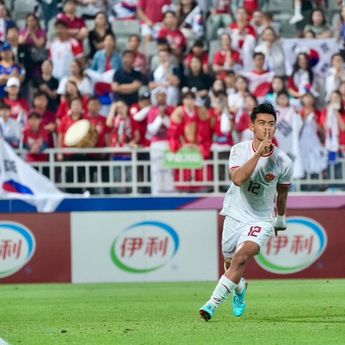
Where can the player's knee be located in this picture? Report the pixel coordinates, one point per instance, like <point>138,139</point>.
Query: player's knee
<point>241,258</point>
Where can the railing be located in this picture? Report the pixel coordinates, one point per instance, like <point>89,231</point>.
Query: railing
<point>97,171</point>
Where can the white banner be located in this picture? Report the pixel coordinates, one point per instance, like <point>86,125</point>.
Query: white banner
<point>318,50</point>
<point>144,246</point>
<point>18,180</point>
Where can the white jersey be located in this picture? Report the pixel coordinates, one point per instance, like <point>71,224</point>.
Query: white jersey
<point>254,200</point>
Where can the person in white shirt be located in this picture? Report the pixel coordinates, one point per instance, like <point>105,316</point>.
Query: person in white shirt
<point>261,174</point>
<point>10,129</point>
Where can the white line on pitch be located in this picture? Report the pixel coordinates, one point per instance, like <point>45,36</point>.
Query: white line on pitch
<point>3,342</point>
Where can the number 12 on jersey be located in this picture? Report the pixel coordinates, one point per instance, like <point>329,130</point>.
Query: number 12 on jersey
<point>254,230</point>
<point>254,187</point>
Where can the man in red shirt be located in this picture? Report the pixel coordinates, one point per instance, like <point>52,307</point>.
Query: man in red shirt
<point>76,25</point>
<point>98,121</point>
<point>19,106</point>
<point>172,33</point>
<point>35,139</point>
<point>139,113</point>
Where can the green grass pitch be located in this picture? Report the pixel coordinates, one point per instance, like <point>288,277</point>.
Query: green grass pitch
<point>278,312</point>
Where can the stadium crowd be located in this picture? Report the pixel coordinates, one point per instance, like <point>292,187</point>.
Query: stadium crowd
<point>167,87</point>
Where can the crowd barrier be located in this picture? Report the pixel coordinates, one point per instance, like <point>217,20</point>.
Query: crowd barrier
<point>162,239</point>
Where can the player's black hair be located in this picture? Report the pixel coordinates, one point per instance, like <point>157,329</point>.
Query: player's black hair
<point>263,108</point>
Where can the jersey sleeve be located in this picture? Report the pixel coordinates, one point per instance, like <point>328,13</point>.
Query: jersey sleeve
<point>237,157</point>
<point>287,174</point>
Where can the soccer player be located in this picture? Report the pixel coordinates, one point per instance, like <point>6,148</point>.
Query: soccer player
<point>258,171</point>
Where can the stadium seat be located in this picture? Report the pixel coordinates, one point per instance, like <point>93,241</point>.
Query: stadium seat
<point>125,27</point>
<point>22,8</point>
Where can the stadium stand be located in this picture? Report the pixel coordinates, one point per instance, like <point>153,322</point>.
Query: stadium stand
<point>176,61</point>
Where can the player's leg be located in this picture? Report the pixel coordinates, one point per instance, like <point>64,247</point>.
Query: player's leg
<point>249,244</point>
<point>231,234</point>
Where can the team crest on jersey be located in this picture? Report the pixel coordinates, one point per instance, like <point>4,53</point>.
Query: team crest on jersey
<point>269,177</point>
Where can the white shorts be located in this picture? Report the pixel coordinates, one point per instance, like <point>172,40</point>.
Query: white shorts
<point>236,232</point>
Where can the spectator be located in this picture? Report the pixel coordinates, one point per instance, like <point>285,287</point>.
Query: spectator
<point>258,23</point>
<point>77,75</point>
<point>260,79</point>
<point>302,79</point>
<point>139,114</point>
<point>63,50</point>
<point>336,74</point>
<point>222,123</point>
<point>333,120</point>
<point>198,79</point>
<point>220,17</point>
<point>105,62</point>
<point>190,19</point>
<point>236,100</point>
<point>10,129</point>
<point>120,123</point>
<point>35,139</point>
<point>19,106</point>
<point>19,52</point>
<point>40,105</point>
<point>140,62</point>
<point>243,37</point>
<point>244,123</point>
<point>8,67</point>
<point>289,126</point>
<point>72,92</point>
<point>74,114</point>
<point>230,78</point>
<point>313,154</point>
<point>150,12</point>
<point>272,48</point>
<point>98,121</point>
<point>48,84</point>
<point>127,81</point>
<point>158,126</point>
<point>165,75</point>
<point>172,33</point>
<point>226,59</point>
<point>76,26</point>
<point>5,22</point>
<point>278,85</point>
<point>191,127</point>
<point>97,35</point>
<point>340,28</point>
<point>33,36</point>
<point>198,51</point>
<point>318,25</point>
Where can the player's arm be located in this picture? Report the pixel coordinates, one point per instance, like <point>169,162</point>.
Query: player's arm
<point>280,221</point>
<point>241,174</point>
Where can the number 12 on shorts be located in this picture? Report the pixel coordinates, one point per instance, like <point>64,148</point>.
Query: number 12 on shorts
<point>254,230</point>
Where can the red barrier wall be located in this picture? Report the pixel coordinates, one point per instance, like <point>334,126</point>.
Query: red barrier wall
<point>51,261</point>
<point>331,264</point>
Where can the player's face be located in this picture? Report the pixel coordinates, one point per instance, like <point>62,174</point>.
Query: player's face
<point>262,124</point>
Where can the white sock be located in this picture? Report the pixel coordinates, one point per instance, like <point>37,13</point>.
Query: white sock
<point>239,288</point>
<point>224,287</point>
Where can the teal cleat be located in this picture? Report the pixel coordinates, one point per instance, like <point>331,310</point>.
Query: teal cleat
<point>207,311</point>
<point>238,302</point>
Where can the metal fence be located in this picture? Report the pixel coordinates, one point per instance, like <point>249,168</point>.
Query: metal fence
<point>101,171</point>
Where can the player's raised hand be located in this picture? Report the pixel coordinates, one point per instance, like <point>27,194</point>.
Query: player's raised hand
<point>266,145</point>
